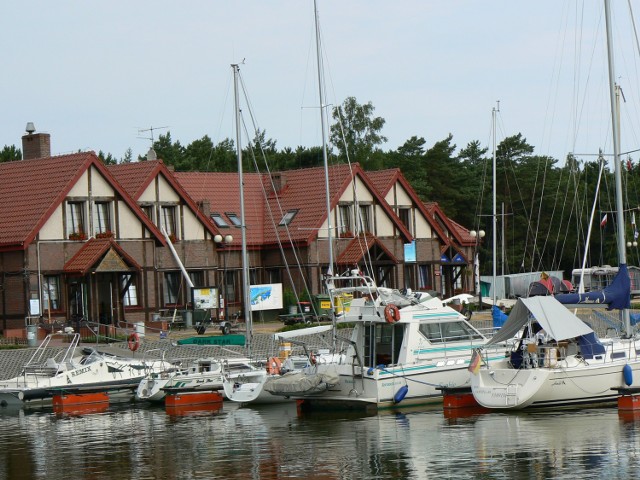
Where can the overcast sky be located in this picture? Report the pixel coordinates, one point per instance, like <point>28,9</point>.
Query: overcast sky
<point>93,74</point>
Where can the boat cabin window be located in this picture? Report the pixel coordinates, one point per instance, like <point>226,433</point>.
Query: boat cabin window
<point>448,332</point>
<point>382,344</point>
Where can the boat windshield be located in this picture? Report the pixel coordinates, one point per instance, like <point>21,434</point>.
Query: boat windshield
<point>449,332</point>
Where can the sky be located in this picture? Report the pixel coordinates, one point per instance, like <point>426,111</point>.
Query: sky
<point>99,75</point>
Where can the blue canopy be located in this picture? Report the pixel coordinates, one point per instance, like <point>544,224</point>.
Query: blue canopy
<point>616,296</point>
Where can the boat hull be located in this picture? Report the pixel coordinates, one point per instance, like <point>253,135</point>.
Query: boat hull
<point>571,383</point>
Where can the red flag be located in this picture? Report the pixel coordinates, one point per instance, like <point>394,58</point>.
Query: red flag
<point>629,164</point>
<point>603,222</point>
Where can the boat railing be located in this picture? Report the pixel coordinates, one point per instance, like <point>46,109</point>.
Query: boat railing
<point>42,363</point>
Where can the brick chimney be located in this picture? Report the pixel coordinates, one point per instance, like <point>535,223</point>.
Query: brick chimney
<point>279,181</point>
<point>35,145</point>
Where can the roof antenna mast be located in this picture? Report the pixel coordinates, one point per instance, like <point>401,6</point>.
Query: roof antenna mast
<point>151,154</point>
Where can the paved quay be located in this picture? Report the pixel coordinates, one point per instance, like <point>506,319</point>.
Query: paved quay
<point>152,346</point>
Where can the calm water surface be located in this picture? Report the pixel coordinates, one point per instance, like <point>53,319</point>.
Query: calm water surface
<point>142,442</point>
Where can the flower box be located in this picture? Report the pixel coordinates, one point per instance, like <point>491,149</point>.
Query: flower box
<point>77,236</point>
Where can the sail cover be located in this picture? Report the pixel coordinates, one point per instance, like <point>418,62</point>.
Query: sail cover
<point>553,317</point>
<point>617,295</point>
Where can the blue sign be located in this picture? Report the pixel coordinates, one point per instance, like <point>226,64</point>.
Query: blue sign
<point>410,252</point>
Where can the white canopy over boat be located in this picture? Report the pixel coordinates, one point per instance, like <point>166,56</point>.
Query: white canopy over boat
<point>557,321</point>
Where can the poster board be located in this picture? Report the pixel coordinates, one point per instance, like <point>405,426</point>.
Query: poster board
<point>266,297</point>
<point>204,298</point>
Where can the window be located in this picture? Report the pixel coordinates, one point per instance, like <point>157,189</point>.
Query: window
<point>75,219</point>
<point>448,332</point>
<point>405,217</point>
<point>286,219</point>
<point>364,220</point>
<point>234,219</point>
<point>171,288</point>
<point>346,223</point>
<point>130,290</point>
<point>148,211</point>
<point>219,221</point>
<point>274,275</point>
<point>51,293</point>
<point>169,220</point>
<point>230,286</point>
<point>424,281</point>
<point>101,217</point>
<point>197,278</point>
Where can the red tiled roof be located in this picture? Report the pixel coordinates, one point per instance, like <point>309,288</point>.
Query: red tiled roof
<point>33,189</point>
<point>135,177</point>
<point>384,179</point>
<point>304,190</point>
<point>358,247</point>
<point>92,252</point>
<point>221,190</point>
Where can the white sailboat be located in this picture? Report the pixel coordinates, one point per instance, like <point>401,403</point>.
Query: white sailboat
<point>570,365</point>
<point>248,386</point>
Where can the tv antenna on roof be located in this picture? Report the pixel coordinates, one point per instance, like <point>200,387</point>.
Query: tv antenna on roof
<point>151,154</point>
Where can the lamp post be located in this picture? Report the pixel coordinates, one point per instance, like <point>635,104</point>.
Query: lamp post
<point>478,236</point>
<point>224,242</point>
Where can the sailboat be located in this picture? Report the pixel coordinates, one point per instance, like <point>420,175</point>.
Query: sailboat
<point>248,385</point>
<point>558,360</point>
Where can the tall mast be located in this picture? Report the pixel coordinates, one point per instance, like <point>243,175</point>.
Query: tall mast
<point>323,122</point>
<point>246,294</point>
<point>622,252</point>
<point>494,216</point>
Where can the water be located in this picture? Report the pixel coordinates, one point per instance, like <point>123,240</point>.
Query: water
<point>277,442</point>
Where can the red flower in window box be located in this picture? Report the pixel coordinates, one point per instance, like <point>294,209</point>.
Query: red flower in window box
<point>346,234</point>
<point>105,234</point>
<point>77,236</point>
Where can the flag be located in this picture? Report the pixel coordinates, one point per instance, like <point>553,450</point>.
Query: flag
<point>629,166</point>
<point>603,222</point>
<point>635,234</point>
<point>474,363</point>
<point>633,218</point>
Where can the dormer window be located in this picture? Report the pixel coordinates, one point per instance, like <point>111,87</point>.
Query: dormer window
<point>233,218</point>
<point>287,218</point>
<point>219,221</point>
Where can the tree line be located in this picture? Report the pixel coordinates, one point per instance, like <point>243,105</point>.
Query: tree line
<point>543,205</point>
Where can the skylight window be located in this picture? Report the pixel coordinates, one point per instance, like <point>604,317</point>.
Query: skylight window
<point>234,219</point>
<point>287,218</point>
<point>219,221</point>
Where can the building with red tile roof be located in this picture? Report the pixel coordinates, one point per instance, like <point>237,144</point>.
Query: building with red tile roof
<point>74,243</point>
<point>80,239</point>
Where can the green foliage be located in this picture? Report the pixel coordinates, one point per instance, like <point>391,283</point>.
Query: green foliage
<point>357,132</point>
<point>10,154</point>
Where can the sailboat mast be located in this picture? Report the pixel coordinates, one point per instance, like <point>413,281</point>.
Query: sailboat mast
<point>324,137</point>
<point>622,252</point>
<point>246,294</point>
<point>494,216</point>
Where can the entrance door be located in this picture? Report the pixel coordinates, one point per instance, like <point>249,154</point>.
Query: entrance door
<point>106,302</point>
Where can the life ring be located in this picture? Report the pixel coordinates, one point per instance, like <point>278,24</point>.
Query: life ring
<point>391,313</point>
<point>133,341</point>
<point>273,366</point>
